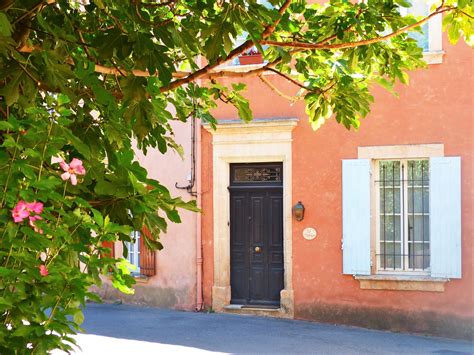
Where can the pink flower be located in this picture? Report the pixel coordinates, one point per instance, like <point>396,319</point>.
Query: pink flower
<point>23,210</point>
<point>43,270</point>
<point>28,210</point>
<point>32,223</point>
<point>36,207</point>
<point>72,169</point>
<point>20,211</point>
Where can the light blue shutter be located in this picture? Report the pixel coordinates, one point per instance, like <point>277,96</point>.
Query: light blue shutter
<point>356,217</point>
<point>445,217</point>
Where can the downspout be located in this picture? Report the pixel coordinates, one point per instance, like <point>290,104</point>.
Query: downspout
<point>192,179</point>
<point>194,188</point>
<point>198,177</point>
<point>199,259</point>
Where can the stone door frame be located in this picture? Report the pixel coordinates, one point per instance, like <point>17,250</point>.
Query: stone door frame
<point>264,140</point>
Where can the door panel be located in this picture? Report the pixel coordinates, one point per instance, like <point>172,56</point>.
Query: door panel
<point>275,252</point>
<point>239,253</point>
<point>257,284</point>
<point>256,222</point>
<point>256,217</point>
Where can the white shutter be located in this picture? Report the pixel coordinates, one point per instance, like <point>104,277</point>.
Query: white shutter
<point>356,216</point>
<point>445,217</point>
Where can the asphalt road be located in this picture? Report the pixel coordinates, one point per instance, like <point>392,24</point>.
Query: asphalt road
<point>123,329</point>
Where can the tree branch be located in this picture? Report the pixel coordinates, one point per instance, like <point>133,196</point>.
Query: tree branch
<point>290,79</point>
<point>323,45</point>
<point>466,14</point>
<point>210,71</point>
<point>153,24</point>
<point>234,53</point>
<point>37,7</point>
<point>102,69</point>
<point>158,4</point>
<point>278,91</point>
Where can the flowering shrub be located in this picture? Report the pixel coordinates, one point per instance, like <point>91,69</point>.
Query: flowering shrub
<point>66,189</point>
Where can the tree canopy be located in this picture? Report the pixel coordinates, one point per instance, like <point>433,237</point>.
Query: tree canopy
<point>82,80</point>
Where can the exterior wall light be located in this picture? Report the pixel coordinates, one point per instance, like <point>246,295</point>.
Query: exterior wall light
<point>298,211</point>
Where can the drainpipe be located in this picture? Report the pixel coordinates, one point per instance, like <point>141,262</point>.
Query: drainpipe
<point>199,259</point>
<point>194,189</point>
<point>192,180</point>
<point>198,180</point>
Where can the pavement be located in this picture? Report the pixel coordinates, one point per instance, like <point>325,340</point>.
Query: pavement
<point>131,330</point>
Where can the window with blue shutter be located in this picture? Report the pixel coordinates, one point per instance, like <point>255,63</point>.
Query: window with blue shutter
<point>418,216</point>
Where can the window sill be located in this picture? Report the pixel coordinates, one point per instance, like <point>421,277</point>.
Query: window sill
<point>433,57</point>
<point>239,67</point>
<point>140,279</point>
<point>401,283</point>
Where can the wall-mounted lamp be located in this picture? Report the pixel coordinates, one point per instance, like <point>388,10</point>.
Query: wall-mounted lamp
<point>298,211</point>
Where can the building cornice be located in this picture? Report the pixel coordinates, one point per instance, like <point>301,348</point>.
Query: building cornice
<point>233,126</point>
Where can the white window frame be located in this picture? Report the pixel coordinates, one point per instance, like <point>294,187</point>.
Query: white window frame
<point>392,152</point>
<point>404,217</point>
<point>434,54</point>
<point>134,251</point>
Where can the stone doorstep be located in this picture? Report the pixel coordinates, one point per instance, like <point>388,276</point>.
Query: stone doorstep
<point>255,310</point>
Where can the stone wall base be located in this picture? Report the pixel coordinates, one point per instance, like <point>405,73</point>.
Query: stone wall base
<point>149,295</point>
<point>428,323</point>
<point>220,297</point>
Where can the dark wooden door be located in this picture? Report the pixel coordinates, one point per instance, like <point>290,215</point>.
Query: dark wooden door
<point>256,235</point>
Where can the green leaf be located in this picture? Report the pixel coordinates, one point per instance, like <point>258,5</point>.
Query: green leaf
<point>99,219</point>
<point>403,3</point>
<point>4,126</point>
<point>105,188</point>
<point>11,91</point>
<point>173,216</point>
<point>5,27</point>
<point>454,33</point>
<point>49,183</point>
<point>78,317</point>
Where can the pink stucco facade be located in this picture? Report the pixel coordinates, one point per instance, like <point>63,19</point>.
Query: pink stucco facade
<point>174,285</point>
<point>435,108</point>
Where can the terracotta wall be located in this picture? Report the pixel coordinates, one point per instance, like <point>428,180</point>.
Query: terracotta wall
<point>435,108</point>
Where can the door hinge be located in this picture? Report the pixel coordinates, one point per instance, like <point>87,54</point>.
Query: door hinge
<point>342,244</point>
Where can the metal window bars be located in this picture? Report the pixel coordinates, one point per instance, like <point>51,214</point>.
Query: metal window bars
<point>403,190</point>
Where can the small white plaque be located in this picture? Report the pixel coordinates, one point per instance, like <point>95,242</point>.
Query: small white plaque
<point>309,233</point>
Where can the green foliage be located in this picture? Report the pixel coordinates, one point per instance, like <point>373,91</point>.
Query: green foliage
<point>76,220</point>
<point>96,80</point>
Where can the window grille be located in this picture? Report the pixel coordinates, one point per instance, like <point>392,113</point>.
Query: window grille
<point>403,227</point>
<point>264,173</point>
<point>257,174</point>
